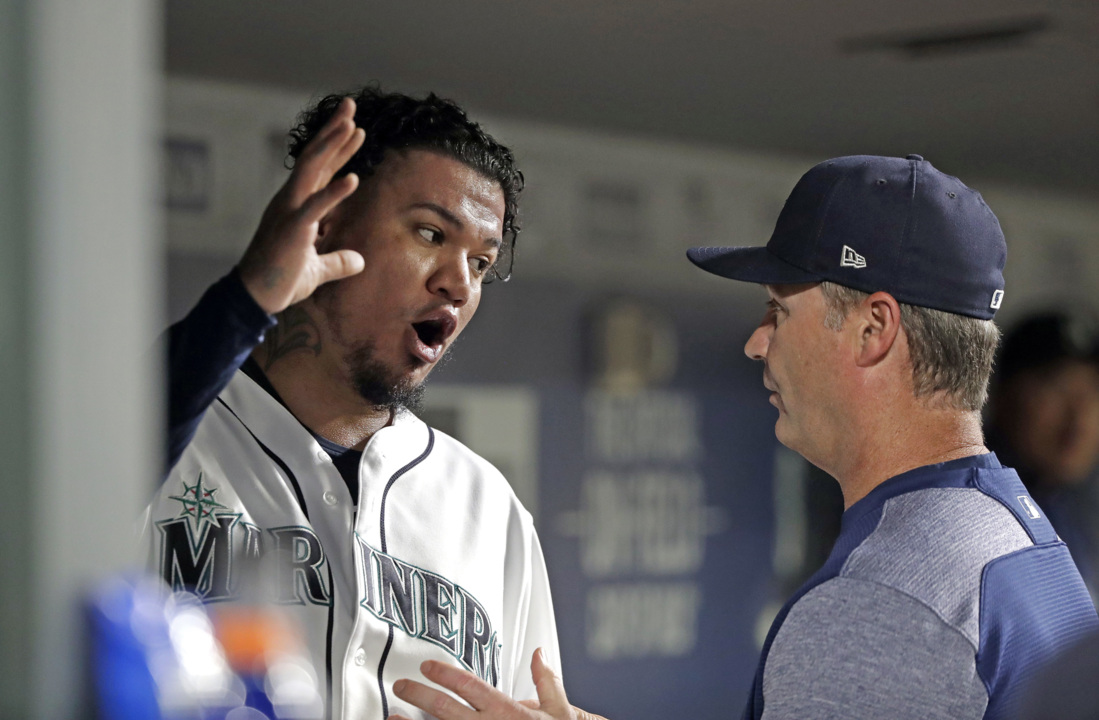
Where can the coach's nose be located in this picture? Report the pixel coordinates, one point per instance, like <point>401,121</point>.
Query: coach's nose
<point>759,342</point>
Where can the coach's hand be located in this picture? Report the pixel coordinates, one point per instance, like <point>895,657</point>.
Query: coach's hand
<point>487,702</point>
<point>281,265</point>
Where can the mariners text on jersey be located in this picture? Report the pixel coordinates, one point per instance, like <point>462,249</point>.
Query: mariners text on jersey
<point>418,602</point>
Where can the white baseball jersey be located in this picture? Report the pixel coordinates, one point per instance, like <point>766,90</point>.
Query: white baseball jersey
<point>439,561</point>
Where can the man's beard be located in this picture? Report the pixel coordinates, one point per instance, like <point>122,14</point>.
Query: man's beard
<point>380,385</point>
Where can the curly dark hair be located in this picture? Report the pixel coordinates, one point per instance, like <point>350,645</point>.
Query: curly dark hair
<point>393,121</point>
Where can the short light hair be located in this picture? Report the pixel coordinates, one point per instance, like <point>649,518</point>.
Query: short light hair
<point>951,354</point>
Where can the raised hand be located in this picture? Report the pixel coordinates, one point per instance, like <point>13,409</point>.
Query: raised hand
<point>487,702</point>
<point>281,265</point>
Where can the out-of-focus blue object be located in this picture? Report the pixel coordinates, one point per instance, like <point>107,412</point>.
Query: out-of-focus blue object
<point>154,655</point>
<point>124,686</point>
<point>256,697</point>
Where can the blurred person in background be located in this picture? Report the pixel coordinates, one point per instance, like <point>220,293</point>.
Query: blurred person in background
<point>1044,421</point>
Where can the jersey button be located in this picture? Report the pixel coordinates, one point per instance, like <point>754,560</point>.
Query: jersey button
<point>360,657</point>
<point>330,497</point>
<point>322,456</point>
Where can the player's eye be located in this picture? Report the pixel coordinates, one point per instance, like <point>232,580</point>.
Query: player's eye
<point>479,265</point>
<point>430,234</point>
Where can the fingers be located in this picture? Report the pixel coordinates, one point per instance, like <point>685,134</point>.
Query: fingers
<point>551,691</point>
<point>466,685</point>
<point>281,265</point>
<point>487,702</point>
<point>350,147</point>
<point>334,133</point>
<point>322,159</point>
<point>432,701</point>
<point>326,153</point>
<point>585,715</point>
<point>323,201</point>
<point>341,152</point>
<point>339,264</point>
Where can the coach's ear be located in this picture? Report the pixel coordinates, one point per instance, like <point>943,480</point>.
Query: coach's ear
<point>878,324</point>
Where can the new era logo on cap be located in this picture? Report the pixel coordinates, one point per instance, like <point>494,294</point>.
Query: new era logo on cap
<point>852,259</point>
<point>997,298</point>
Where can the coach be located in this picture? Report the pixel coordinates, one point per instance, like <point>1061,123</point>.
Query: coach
<point>947,586</point>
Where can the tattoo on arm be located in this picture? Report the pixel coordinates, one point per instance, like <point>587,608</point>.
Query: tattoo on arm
<point>272,277</point>
<point>296,330</point>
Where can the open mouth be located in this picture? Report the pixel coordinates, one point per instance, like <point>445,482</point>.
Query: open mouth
<point>431,332</point>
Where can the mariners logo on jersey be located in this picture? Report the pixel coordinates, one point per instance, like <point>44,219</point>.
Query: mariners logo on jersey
<point>208,549</point>
<point>196,550</point>
<point>198,502</point>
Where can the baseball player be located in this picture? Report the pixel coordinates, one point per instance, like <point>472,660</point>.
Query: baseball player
<point>947,587</point>
<point>1044,417</point>
<point>292,445</point>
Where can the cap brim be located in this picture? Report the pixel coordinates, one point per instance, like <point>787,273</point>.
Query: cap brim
<point>749,264</point>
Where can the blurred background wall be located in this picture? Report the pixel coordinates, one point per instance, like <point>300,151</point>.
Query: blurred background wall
<point>81,282</point>
<point>607,379</point>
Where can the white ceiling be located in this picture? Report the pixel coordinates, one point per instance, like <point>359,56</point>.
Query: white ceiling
<point>771,75</point>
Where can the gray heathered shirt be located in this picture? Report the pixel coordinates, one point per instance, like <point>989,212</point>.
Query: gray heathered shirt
<point>943,593</point>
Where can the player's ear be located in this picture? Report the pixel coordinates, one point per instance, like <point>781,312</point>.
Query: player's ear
<point>879,322</point>
<point>326,231</point>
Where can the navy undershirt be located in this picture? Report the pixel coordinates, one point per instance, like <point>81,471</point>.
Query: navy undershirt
<point>206,348</point>
<point>345,459</point>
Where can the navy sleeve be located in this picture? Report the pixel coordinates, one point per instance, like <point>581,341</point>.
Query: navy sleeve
<point>204,351</point>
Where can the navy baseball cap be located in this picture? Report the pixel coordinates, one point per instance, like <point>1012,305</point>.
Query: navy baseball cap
<point>873,223</point>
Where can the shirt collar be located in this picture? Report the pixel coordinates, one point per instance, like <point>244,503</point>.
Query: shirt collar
<point>949,473</point>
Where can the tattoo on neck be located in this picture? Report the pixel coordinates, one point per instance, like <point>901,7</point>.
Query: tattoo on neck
<point>295,330</point>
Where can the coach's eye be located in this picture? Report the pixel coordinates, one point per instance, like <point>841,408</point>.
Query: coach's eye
<point>774,312</point>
